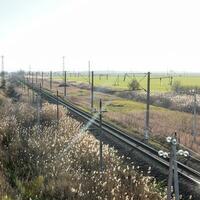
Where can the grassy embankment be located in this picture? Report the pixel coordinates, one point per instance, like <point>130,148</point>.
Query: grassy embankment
<point>61,162</point>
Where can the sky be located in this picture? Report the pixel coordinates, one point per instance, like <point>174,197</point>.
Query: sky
<point>121,35</point>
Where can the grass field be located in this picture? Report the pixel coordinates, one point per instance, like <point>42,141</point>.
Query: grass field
<point>130,115</point>
<point>158,82</point>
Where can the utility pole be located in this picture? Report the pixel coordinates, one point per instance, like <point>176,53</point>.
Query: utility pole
<point>29,76</point>
<point>171,80</point>
<point>173,167</point>
<point>63,64</point>
<point>57,106</point>
<point>40,96</point>
<point>100,133</point>
<point>36,78</point>
<point>89,71</point>
<point>146,131</point>
<point>39,106</point>
<point>42,79</point>
<point>38,110</point>
<point>194,120</point>
<point>30,69</point>
<point>50,80</point>
<point>92,92</point>
<point>2,73</point>
<point>173,171</point>
<point>33,96</point>
<point>32,78</point>
<point>32,86</point>
<point>65,83</point>
<point>28,95</point>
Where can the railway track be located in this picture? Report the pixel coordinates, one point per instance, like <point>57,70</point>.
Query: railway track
<point>183,170</point>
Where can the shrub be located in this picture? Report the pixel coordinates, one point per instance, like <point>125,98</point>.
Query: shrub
<point>11,93</point>
<point>62,162</point>
<point>134,85</point>
<point>176,86</point>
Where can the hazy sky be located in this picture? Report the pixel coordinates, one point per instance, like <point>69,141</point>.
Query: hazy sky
<point>138,35</point>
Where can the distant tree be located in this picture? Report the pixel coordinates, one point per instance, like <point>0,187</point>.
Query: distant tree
<point>134,85</point>
<point>176,86</point>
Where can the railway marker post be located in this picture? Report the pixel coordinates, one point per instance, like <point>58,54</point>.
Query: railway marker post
<point>146,131</point>
<point>173,168</point>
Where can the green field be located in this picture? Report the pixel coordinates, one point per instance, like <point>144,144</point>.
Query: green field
<point>158,83</point>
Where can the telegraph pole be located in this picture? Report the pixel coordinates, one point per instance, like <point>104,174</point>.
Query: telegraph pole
<point>65,83</point>
<point>40,96</point>
<point>36,77</point>
<point>38,111</point>
<point>89,71</point>
<point>57,106</point>
<point>32,78</point>
<point>173,171</point>
<point>29,76</point>
<point>39,107</point>
<point>100,133</point>
<point>194,120</point>
<point>42,79</point>
<point>63,64</point>
<point>173,167</point>
<point>50,80</point>
<point>63,67</point>
<point>176,185</point>
<point>92,92</point>
<point>2,73</point>
<point>146,131</point>
<point>33,96</point>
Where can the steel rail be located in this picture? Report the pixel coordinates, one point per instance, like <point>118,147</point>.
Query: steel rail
<point>184,170</point>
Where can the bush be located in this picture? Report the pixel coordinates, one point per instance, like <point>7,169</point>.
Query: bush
<point>62,162</point>
<point>11,93</point>
<point>176,86</point>
<point>134,85</point>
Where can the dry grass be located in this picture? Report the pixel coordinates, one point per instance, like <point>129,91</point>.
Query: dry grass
<point>131,115</point>
<point>61,162</point>
<point>162,124</point>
